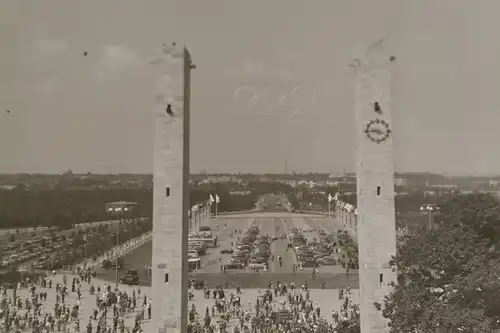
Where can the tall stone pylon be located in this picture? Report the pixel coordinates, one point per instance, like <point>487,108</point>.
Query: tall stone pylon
<point>170,194</point>
<point>376,231</point>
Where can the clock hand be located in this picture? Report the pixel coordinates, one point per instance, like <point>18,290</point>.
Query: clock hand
<point>376,131</point>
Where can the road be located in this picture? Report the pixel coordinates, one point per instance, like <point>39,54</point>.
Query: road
<point>331,225</point>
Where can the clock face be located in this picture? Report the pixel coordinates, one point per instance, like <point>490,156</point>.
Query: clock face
<point>378,130</point>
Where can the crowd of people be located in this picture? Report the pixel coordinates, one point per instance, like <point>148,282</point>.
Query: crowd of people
<point>27,307</point>
<point>281,307</point>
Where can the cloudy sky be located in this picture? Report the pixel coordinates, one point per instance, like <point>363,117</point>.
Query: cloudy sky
<point>93,113</point>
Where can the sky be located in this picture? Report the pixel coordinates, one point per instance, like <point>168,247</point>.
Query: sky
<point>94,113</point>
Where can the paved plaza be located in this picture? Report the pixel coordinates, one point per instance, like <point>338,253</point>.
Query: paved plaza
<point>326,300</point>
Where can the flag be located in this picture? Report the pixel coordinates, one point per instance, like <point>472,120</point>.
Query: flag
<point>217,199</point>
<point>336,197</point>
<point>211,199</point>
<point>330,198</point>
<point>356,211</point>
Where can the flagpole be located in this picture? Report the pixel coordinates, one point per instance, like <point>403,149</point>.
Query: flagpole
<point>196,217</point>
<point>211,201</point>
<point>329,198</point>
<point>217,200</point>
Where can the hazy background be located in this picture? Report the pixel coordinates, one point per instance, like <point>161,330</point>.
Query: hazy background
<point>94,113</point>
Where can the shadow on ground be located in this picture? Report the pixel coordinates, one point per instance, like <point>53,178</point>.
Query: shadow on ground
<point>260,280</point>
<point>255,280</point>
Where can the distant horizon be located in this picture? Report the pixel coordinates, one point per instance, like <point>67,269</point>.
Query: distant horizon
<point>336,174</point>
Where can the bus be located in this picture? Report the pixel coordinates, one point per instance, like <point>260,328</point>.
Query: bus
<point>200,247</point>
<point>194,264</point>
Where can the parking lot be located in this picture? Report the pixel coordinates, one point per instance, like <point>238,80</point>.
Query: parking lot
<point>48,248</point>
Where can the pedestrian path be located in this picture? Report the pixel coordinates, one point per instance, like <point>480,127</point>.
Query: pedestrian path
<point>120,250</point>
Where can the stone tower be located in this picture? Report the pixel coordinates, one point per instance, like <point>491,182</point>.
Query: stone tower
<point>170,194</point>
<point>375,184</point>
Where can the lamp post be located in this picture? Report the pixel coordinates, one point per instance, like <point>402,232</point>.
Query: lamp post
<point>429,209</point>
<point>118,213</point>
<point>207,212</point>
<point>356,224</point>
<point>190,217</point>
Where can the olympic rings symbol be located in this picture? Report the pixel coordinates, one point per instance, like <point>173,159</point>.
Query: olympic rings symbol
<point>273,98</point>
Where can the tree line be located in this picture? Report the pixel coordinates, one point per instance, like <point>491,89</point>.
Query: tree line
<point>448,272</point>
<point>63,207</point>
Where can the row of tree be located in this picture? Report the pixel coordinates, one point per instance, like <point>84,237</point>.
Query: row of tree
<point>63,207</point>
<point>405,203</point>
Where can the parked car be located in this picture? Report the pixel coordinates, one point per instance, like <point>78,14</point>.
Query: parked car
<point>131,277</point>
<point>310,263</point>
<point>235,265</point>
<point>256,265</point>
<point>329,261</point>
<point>227,251</point>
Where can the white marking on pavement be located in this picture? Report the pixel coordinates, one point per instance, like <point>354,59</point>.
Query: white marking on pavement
<point>225,226</point>
<point>250,222</point>
<point>285,227</point>
<point>288,240</point>
<point>273,247</point>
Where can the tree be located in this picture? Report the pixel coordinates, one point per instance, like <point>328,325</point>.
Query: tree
<point>448,274</point>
